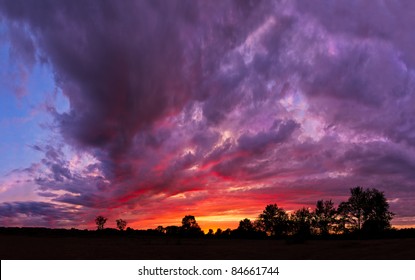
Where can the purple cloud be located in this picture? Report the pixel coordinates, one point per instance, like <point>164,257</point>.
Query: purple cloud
<point>171,99</point>
<point>33,213</point>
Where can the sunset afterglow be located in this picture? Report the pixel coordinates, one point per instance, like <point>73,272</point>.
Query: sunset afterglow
<point>152,110</point>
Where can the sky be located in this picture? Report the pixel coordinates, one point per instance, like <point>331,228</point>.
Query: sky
<point>152,110</point>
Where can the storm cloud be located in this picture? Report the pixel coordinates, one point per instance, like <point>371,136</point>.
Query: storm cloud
<point>186,102</point>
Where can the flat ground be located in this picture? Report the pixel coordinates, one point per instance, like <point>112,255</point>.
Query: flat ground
<point>115,247</point>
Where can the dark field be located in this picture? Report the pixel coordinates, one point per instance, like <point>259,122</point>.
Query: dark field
<point>116,247</point>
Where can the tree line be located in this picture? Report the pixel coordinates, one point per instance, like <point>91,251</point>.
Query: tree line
<point>365,212</point>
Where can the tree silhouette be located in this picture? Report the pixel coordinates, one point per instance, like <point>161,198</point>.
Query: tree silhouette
<point>324,216</point>
<point>218,232</point>
<point>100,221</point>
<point>274,220</point>
<point>259,226</point>
<point>248,229</point>
<point>301,222</point>
<point>227,232</point>
<point>246,225</point>
<point>376,214</point>
<point>161,229</point>
<point>190,226</point>
<point>121,224</point>
<point>172,230</point>
<point>189,222</point>
<point>366,209</point>
<point>353,208</point>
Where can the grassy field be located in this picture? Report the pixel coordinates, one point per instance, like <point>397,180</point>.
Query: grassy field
<point>115,247</point>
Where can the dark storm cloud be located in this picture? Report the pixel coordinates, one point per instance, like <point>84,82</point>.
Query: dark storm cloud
<point>34,213</point>
<point>367,84</point>
<point>47,194</point>
<point>186,96</point>
<point>124,66</point>
<point>381,160</point>
<point>86,199</point>
<point>205,139</point>
<point>54,161</point>
<point>79,185</point>
<point>386,20</point>
<point>367,89</point>
<point>79,189</point>
<point>364,74</point>
<point>280,132</point>
<point>60,172</point>
<point>28,208</point>
<point>121,66</point>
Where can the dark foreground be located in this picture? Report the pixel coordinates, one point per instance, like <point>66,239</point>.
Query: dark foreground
<point>122,247</point>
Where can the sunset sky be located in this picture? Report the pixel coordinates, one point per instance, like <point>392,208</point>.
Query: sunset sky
<point>152,110</point>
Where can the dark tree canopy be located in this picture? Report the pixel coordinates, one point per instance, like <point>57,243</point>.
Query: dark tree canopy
<point>366,209</point>
<point>190,226</point>
<point>301,222</point>
<point>377,215</point>
<point>248,229</point>
<point>189,222</point>
<point>172,230</point>
<point>365,212</point>
<point>324,217</point>
<point>355,206</point>
<point>274,220</point>
<point>160,229</point>
<point>121,224</point>
<point>246,225</point>
<point>100,221</point>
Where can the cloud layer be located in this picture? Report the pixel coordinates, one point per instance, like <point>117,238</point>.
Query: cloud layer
<point>219,108</point>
